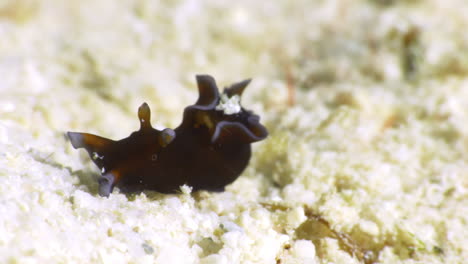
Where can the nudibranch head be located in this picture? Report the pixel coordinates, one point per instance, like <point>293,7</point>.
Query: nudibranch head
<point>209,149</point>
<point>223,114</point>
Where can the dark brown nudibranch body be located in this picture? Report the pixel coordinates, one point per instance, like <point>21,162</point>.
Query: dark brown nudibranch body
<point>209,149</point>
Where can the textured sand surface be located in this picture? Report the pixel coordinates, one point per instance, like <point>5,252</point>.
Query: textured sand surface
<point>366,102</point>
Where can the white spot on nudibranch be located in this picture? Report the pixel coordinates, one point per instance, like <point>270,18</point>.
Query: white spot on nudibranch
<point>103,170</point>
<point>96,156</point>
<point>229,105</point>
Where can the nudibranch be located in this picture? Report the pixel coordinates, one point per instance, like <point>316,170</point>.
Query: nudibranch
<point>207,151</point>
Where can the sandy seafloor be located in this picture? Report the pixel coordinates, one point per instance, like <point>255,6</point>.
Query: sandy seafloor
<point>366,103</point>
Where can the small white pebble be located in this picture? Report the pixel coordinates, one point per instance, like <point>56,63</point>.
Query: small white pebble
<point>185,189</point>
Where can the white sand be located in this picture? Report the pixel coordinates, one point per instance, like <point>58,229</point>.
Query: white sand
<point>366,103</point>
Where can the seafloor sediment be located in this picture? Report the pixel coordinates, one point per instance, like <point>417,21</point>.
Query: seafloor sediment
<point>365,101</point>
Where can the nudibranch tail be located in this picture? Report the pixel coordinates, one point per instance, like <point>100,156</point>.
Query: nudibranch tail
<point>106,184</point>
<point>208,91</point>
<point>90,142</point>
<point>96,146</point>
<point>76,139</point>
